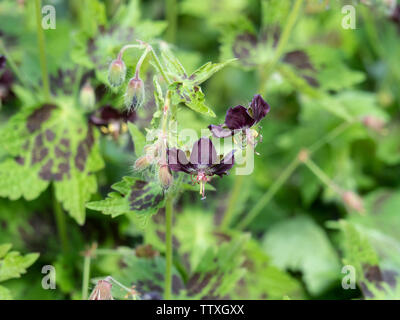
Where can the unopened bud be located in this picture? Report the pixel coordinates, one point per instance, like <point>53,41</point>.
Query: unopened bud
<point>102,291</point>
<point>87,97</point>
<point>134,96</point>
<point>374,123</point>
<point>142,163</point>
<point>165,176</point>
<point>353,201</point>
<point>116,73</point>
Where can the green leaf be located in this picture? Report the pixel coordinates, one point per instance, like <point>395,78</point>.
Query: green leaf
<point>5,294</point>
<point>50,143</point>
<point>138,138</point>
<point>206,71</point>
<point>192,96</point>
<point>4,248</point>
<point>134,195</point>
<point>300,244</point>
<point>13,264</point>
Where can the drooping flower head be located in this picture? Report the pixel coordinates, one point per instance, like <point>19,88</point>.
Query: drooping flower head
<point>112,121</point>
<point>203,162</point>
<point>242,118</point>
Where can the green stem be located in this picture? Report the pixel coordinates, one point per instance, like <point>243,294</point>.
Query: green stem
<point>329,137</point>
<point>172,18</point>
<point>160,67</point>
<point>86,276</point>
<point>13,65</point>
<point>282,41</point>
<point>289,170</point>
<point>60,218</point>
<point>168,252</point>
<point>42,51</point>
<point>269,194</point>
<point>235,194</point>
<point>321,174</point>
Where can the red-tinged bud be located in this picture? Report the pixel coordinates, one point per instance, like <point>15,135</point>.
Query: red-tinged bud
<point>165,176</point>
<point>374,123</point>
<point>87,97</point>
<point>116,73</point>
<point>142,163</point>
<point>102,291</point>
<point>134,96</point>
<point>353,201</point>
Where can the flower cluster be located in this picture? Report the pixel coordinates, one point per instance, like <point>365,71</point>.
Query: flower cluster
<point>203,162</point>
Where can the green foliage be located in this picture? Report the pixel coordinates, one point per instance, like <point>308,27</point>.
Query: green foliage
<point>132,195</point>
<point>331,90</point>
<point>13,265</point>
<point>50,143</point>
<point>299,244</point>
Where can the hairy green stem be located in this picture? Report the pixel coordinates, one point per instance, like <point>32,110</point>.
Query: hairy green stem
<point>61,223</point>
<point>160,67</point>
<point>168,244</point>
<point>269,194</point>
<point>86,276</point>
<point>171,12</point>
<point>42,51</point>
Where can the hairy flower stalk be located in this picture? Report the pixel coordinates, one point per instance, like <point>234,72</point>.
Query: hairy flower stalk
<point>165,175</point>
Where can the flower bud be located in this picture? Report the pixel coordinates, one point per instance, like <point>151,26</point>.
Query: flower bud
<point>165,176</point>
<point>134,96</point>
<point>87,97</point>
<point>374,123</point>
<point>102,291</point>
<point>116,73</point>
<point>142,163</point>
<point>353,201</point>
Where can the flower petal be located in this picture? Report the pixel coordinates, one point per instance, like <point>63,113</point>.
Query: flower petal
<point>259,108</point>
<point>177,161</point>
<point>226,164</point>
<point>238,118</point>
<point>219,131</point>
<point>203,153</point>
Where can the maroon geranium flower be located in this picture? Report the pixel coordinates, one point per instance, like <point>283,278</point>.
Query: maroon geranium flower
<point>241,118</point>
<point>203,162</point>
<point>111,121</point>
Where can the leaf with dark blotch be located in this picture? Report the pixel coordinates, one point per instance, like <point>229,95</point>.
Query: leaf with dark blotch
<point>133,195</point>
<point>48,144</point>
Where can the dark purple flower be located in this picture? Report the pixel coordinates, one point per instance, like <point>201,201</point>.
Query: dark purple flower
<point>203,162</point>
<point>2,62</point>
<point>6,79</point>
<point>111,121</point>
<point>241,118</point>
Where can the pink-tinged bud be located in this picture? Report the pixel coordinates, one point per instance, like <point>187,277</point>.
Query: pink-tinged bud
<point>116,73</point>
<point>134,96</point>
<point>374,123</point>
<point>165,176</point>
<point>102,291</point>
<point>87,97</point>
<point>142,163</point>
<point>353,201</point>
